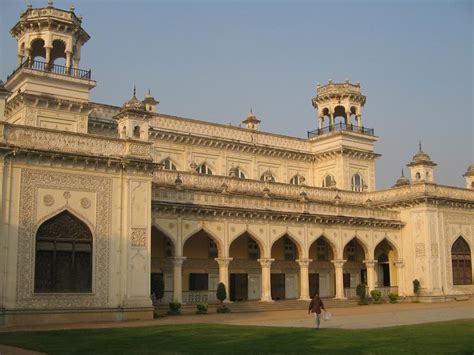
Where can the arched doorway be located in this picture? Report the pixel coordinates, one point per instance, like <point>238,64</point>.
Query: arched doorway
<point>321,270</point>
<point>162,252</point>
<point>63,260</point>
<point>461,261</point>
<point>244,270</point>
<point>200,270</point>
<point>354,271</point>
<point>284,270</point>
<point>386,273</point>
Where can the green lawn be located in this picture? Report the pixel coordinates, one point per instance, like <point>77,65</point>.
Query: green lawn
<point>446,337</point>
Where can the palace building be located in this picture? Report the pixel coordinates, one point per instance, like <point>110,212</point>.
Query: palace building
<point>98,201</point>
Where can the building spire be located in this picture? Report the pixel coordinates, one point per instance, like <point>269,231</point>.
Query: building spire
<point>420,145</point>
<point>134,91</point>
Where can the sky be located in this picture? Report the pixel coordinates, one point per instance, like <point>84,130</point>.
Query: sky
<point>214,60</point>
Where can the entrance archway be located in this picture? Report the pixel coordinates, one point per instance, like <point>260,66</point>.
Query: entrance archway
<point>354,271</point>
<point>162,253</point>
<point>200,270</point>
<point>386,272</point>
<point>244,270</point>
<point>321,270</point>
<point>285,270</point>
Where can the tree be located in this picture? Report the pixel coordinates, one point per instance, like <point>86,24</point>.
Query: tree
<point>221,293</point>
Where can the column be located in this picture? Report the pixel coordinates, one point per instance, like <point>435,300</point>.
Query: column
<point>338,266</point>
<point>304,279</point>
<point>68,61</point>
<point>266,279</point>
<point>400,277</point>
<point>359,121</point>
<point>48,57</point>
<point>178,278</point>
<point>321,122</point>
<point>370,264</point>
<point>224,272</point>
<point>331,119</point>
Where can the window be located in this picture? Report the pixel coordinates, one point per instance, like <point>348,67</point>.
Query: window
<point>63,255</point>
<point>329,181</point>
<point>418,176</point>
<point>136,132</point>
<point>213,252</point>
<point>198,282</point>
<point>297,180</point>
<point>351,251</point>
<point>357,183</point>
<point>204,169</point>
<point>461,262</point>
<point>346,280</point>
<point>290,249</point>
<point>267,176</point>
<point>253,249</point>
<point>321,250</point>
<point>168,165</point>
<point>236,172</point>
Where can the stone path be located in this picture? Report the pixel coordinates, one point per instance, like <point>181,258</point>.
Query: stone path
<point>359,317</point>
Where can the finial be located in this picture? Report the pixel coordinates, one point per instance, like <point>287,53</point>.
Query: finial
<point>50,3</point>
<point>149,93</point>
<point>251,111</point>
<point>403,173</point>
<point>28,5</point>
<point>420,145</point>
<point>134,91</point>
<point>72,8</point>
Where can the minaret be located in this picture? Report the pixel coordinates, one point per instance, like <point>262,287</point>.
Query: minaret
<point>421,167</point>
<point>133,119</point>
<point>150,102</point>
<point>469,176</point>
<point>343,148</point>
<point>402,180</point>
<point>48,78</point>
<point>251,122</point>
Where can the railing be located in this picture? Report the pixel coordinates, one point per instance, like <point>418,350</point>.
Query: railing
<point>341,126</point>
<point>199,297</point>
<point>387,290</point>
<point>53,68</point>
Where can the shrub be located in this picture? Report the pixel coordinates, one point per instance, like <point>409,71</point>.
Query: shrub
<point>376,295</point>
<point>361,293</point>
<point>393,297</point>
<point>201,308</point>
<point>175,308</point>
<point>416,287</point>
<point>221,293</point>
<point>223,309</point>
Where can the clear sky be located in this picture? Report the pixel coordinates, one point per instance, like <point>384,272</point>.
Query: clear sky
<point>213,60</point>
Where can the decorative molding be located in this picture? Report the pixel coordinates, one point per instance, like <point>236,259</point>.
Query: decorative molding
<point>31,181</point>
<point>138,237</point>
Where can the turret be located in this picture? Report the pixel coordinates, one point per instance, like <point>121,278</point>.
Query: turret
<point>421,167</point>
<point>133,119</point>
<point>469,176</point>
<point>251,122</point>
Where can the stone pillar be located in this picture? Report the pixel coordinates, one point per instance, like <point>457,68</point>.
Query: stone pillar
<point>178,278</point>
<point>266,279</point>
<point>48,57</point>
<point>338,266</point>
<point>359,121</point>
<point>304,279</point>
<point>400,277</point>
<point>321,122</point>
<point>224,271</point>
<point>68,60</point>
<point>370,264</point>
<point>331,119</point>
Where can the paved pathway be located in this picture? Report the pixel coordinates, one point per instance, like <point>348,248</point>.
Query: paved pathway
<point>373,316</point>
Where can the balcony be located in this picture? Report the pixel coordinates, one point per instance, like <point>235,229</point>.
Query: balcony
<point>339,127</point>
<point>53,68</point>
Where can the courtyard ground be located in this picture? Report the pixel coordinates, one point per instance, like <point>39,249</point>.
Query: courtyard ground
<point>282,331</point>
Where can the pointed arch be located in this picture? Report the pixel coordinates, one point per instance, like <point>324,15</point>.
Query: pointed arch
<point>205,168</point>
<point>332,246</point>
<point>168,164</point>
<point>295,241</point>
<point>268,176</point>
<point>169,246</point>
<point>390,243</point>
<point>297,179</point>
<point>210,235</point>
<point>250,248</point>
<point>363,245</point>
<point>63,255</point>
<point>461,258</point>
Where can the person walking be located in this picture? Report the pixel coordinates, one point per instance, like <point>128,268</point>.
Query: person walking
<point>315,306</point>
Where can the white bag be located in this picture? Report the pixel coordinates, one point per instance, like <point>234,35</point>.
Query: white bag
<point>327,315</point>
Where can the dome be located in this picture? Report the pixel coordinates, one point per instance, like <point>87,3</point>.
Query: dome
<point>402,181</point>
<point>134,103</point>
<point>150,99</point>
<point>470,170</point>
<point>421,158</point>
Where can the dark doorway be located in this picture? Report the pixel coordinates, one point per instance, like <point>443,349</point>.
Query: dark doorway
<point>238,287</point>
<point>313,284</point>
<point>363,276</point>
<point>156,278</point>
<point>386,274</point>
<point>346,277</point>
<point>278,286</point>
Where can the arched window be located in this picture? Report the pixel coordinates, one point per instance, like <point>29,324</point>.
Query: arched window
<point>289,249</point>
<point>267,176</point>
<point>329,181</point>
<point>168,165</point>
<point>236,172</point>
<point>38,52</point>
<point>461,259</point>
<point>63,260</point>
<point>204,169</point>
<point>418,176</point>
<point>136,132</point>
<point>357,183</point>
<point>297,180</point>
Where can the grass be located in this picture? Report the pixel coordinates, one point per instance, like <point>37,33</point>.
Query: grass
<point>456,337</point>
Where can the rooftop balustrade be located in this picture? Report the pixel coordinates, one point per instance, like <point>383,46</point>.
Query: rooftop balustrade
<point>52,68</point>
<point>341,126</point>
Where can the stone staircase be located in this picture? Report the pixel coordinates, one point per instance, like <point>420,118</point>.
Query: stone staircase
<point>256,306</point>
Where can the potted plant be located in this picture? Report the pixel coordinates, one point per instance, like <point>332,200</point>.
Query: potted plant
<point>221,295</point>
<point>376,296</point>
<point>201,308</point>
<point>174,308</point>
<point>393,297</point>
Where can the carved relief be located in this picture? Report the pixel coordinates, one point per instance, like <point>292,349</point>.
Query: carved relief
<point>85,203</point>
<point>138,237</point>
<point>31,181</point>
<point>420,249</point>
<point>48,200</point>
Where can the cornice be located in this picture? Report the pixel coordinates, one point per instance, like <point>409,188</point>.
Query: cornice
<point>349,152</point>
